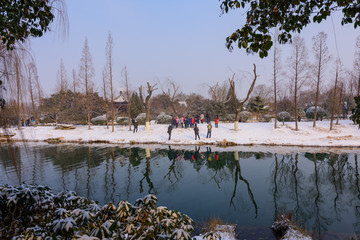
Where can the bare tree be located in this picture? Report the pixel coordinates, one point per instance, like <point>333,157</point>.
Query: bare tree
<point>62,78</point>
<point>338,71</point>
<point>127,96</point>
<point>146,102</point>
<point>33,87</point>
<point>105,97</point>
<point>322,57</point>
<point>298,70</point>
<point>172,93</point>
<point>86,73</point>
<point>109,62</point>
<point>276,70</point>
<point>241,103</point>
<point>75,82</point>
<point>218,92</point>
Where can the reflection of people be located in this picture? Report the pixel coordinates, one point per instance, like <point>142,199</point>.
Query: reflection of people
<point>171,154</point>
<point>197,153</point>
<point>169,131</point>
<point>217,156</point>
<point>208,153</point>
<point>196,131</point>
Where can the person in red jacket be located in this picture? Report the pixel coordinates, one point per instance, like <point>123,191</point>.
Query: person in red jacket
<point>217,121</point>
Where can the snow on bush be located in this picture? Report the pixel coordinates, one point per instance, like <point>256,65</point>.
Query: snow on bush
<point>245,116</point>
<point>141,118</point>
<point>163,118</point>
<point>122,120</point>
<point>99,120</point>
<point>320,113</point>
<point>34,212</point>
<point>283,116</point>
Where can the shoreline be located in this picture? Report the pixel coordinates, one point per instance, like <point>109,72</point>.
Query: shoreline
<point>345,135</point>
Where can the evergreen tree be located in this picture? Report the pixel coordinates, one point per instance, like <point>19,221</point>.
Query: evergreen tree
<point>257,106</point>
<point>356,111</point>
<point>135,105</point>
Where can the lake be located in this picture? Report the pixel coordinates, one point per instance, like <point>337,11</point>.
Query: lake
<point>247,186</point>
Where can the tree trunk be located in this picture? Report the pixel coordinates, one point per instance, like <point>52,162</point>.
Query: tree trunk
<point>334,99</point>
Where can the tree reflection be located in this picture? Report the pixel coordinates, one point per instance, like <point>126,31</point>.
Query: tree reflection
<point>238,176</point>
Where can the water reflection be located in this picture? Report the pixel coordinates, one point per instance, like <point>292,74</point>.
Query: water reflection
<point>249,188</point>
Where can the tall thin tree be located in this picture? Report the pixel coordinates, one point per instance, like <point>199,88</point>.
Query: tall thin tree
<point>86,73</point>
<point>106,101</point>
<point>298,70</point>
<point>109,62</point>
<point>338,71</point>
<point>127,95</point>
<point>276,70</point>
<point>322,57</point>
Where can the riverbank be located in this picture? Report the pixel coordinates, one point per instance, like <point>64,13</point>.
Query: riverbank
<point>346,134</point>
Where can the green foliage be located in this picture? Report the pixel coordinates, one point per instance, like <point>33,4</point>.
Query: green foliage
<point>22,19</point>
<point>356,111</point>
<point>136,107</point>
<point>257,105</point>
<point>288,17</point>
<point>30,212</point>
<point>69,107</point>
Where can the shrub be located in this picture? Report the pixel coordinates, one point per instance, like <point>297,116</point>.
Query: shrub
<point>34,212</point>
<point>283,116</point>
<point>99,120</point>
<point>245,116</point>
<point>162,118</point>
<point>122,120</point>
<point>320,113</point>
<point>141,118</point>
<point>267,117</point>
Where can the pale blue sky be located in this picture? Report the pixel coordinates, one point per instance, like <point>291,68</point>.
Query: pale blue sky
<point>184,40</point>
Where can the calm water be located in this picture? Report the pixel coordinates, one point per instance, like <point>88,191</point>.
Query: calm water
<point>321,190</point>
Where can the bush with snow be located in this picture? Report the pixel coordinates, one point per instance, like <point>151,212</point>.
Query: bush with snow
<point>320,113</point>
<point>141,118</point>
<point>163,118</point>
<point>34,212</point>
<point>99,120</point>
<point>122,120</point>
<point>283,116</point>
<point>245,116</point>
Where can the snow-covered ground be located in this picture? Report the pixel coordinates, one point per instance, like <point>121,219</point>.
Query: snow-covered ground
<point>344,135</point>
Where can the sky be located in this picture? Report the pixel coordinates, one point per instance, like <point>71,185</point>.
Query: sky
<point>157,40</point>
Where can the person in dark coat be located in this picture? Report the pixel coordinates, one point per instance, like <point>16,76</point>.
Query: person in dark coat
<point>169,131</point>
<point>135,126</point>
<point>196,131</point>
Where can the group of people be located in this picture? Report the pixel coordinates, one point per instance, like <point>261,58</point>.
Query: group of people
<point>194,123</point>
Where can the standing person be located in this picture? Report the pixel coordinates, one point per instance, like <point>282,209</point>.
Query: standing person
<point>196,131</point>
<point>217,121</point>
<point>193,122</point>
<point>209,127</point>
<point>207,118</point>
<point>135,126</point>
<point>169,131</point>
<point>190,121</point>
<point>177,121</point>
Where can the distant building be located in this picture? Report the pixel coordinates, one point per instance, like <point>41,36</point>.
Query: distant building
<point>120,103</point>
